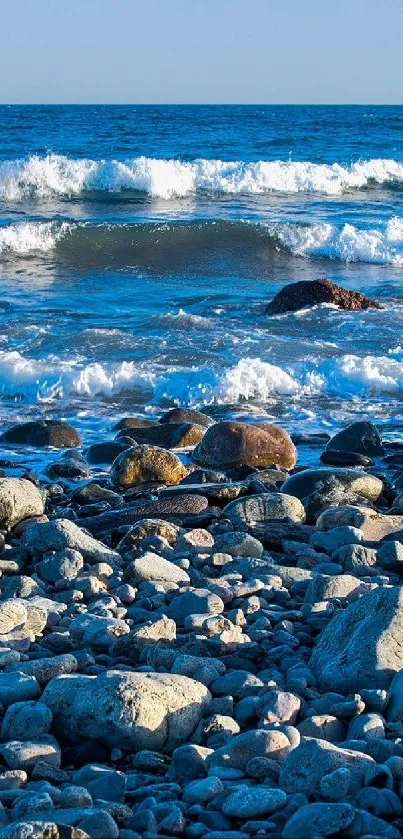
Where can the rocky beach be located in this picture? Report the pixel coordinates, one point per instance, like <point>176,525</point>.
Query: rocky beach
<point>201,472</point>
<point>199,636</point>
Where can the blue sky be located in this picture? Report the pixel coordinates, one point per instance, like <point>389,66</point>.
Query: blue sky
<point>201,51</point>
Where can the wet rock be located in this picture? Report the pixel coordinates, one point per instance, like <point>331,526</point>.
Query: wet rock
<point>314,292</point>
<point>19,500</point>
<point>360,647</point>
<point>361,437</point>
<point>69,469</point>
<point>229,444</point>
<point>355,480</point>
<point>128,710</point>
<point>145,464</point>
<point>105,452</point>
<point>336,457</point>
<point>42,433</point>
<point>169,436</point>
<point>188,415</point>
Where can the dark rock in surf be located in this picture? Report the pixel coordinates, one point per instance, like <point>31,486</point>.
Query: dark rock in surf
<point>188,415</point>
<point>337,457</point>
<point>53,433</point>
<point>313,292</point>
<point>360,438</point>
<point>170,435</point>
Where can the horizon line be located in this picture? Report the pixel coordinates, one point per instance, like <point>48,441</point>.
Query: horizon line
<point>204,104</point>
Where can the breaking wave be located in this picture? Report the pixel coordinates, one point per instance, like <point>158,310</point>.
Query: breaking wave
<point>163,178</point>
<point>181,244</point>
<point>249,379</point>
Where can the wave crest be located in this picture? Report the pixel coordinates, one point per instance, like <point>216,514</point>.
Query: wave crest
<point>181,244</point>
<point>163,178</point>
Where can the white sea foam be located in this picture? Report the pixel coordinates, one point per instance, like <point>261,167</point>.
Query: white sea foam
<point>250,379</point>
<point>60,175</point>
<point>349,243</point>
<point>30,236</point>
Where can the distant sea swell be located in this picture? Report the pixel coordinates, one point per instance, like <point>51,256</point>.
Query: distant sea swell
<point>60,175</point>
<point>87,243</point>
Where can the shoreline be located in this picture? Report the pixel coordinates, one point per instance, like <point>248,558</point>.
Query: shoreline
<point>190,645</point>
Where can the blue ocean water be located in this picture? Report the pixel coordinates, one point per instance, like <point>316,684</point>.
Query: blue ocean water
<point>140,244</point>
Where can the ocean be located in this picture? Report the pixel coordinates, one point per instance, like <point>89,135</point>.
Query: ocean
<point>140,245</point>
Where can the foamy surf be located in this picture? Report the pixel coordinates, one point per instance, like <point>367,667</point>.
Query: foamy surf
<point>250,379</point>
<point>28,237</point>
<point>163,178</point>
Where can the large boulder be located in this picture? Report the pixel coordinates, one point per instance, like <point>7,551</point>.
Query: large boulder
<point>40,537</point>
<point>313,292</point>
<point>229,444</point>
<point>309,481</point>
<point>19,500</point>
<point>361,646</point>
<point>129,710</point>
<point>41,433</point>
<point>146,464</point>
<point>360,437</point>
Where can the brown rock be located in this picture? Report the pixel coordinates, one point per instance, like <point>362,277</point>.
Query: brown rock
<point>311,292</point>
<point>229,444</point>
<point>145,464</point>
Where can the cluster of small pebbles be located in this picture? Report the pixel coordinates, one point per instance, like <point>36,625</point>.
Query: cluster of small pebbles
<point>200,638</point>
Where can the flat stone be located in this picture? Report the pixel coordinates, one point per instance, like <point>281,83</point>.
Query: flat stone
<point>254,509</point>
<point>253,802</point>
<point>152,567</point>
